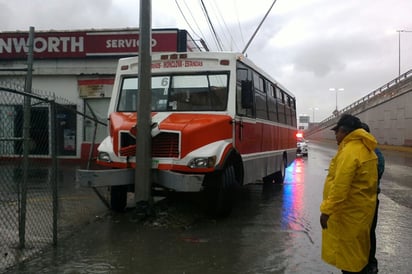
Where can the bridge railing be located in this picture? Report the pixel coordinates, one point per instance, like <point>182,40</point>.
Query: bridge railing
<point>379,91</point>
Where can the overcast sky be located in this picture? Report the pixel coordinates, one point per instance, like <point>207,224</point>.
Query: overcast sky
<point>309,46</point>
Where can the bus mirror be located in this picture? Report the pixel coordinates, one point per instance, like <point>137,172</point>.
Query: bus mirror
<point>247,94</point>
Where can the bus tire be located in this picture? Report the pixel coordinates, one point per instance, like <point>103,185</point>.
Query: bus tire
<point>220,190</point>
<point>279,176</point>
<point>118,198</point>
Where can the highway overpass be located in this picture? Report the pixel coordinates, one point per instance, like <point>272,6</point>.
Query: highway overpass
<point>387,110</point>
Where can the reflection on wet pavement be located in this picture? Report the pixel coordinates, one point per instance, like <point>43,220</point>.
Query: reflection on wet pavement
<point>273,229</point>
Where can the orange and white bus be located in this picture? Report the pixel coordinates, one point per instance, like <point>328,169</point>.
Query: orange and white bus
<point>219,122</point>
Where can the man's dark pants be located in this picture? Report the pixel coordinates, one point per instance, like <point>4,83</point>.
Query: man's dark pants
<point>373,262</point>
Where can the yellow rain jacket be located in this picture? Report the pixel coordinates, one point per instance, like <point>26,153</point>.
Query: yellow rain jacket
<point>349,198</point>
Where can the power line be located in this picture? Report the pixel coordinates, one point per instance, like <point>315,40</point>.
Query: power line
<point>238,23</point>
<point>202,42</point>
<point>226,30</point>
<point>260,24</point>
<point>187,22</point>
<point>219,43</point>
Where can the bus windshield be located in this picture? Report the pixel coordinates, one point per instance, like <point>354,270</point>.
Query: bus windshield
<point>194,92</point>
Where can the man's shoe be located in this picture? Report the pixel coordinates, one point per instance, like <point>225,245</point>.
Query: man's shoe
<point>372,269</point>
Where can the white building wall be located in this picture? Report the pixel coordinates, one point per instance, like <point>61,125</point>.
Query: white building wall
<point>60,77</point>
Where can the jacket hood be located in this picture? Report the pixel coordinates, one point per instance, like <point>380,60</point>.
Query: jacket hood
<point>360,134</point>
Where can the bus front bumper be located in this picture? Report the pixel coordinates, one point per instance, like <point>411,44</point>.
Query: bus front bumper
<point>116,177</point>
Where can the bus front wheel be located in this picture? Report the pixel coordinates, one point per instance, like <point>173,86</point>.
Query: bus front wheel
<point>220,190</point>
<point>118,198</point>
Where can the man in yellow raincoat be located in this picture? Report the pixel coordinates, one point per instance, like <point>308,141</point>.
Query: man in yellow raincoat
<point>349,198</point>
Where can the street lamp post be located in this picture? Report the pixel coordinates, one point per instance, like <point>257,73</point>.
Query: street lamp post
<point>399,49</point>
<point>313,114</point>
<point>337,90</point>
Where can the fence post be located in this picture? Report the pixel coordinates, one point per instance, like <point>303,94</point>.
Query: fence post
<point>26,142</point>
<point>53,137</point>
<point>23,185</point>
<point>94,136</point>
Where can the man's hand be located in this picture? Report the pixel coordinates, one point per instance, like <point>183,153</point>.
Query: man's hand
<point>324,220</point>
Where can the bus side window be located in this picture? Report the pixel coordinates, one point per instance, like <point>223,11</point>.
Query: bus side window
<point>290,110</point>
<point>287,110</point>
<point>271,101</point>
<point>280,96</point>
<point>260,96</point>
<point>247,94</point>
<point>245,105</point>
<point>293,111</point>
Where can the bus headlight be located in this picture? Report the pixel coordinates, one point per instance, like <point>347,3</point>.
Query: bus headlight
<point>202,162</point>
<point>104,157</point>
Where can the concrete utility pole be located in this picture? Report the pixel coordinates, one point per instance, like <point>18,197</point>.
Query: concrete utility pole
<point>142,182</point>
<point>336,111</point>
<point>399,49</point>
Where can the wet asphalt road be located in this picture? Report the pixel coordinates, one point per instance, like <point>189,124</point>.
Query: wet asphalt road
<point>273,229</point>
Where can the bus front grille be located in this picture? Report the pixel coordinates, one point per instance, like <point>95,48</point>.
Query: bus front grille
<point>164,145</point>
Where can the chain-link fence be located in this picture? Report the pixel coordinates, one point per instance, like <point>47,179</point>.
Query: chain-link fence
<point>39,200</point>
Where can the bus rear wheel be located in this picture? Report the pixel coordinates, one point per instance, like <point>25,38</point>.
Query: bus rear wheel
<point>279,176</point>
